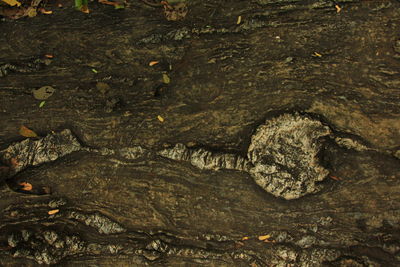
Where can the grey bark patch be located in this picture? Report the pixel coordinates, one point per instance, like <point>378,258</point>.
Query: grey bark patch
<point>133,152</point>
<point>284,154</point>
<point>349,143</point>
<point>30,152</point>
<point>204,159</point>
<point>45,247</point>
<point>98,221</point>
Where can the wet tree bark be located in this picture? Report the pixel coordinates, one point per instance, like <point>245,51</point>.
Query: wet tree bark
<point>226,79</point>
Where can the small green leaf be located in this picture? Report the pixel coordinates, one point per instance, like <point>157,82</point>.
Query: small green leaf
<point>165,78</point>
<point>42,104</point>
<point>94,70</point>
<point>78,4</point>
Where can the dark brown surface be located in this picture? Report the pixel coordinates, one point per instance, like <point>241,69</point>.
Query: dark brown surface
<point>226,79</point>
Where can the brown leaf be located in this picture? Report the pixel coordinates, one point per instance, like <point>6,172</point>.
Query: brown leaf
<point>26,132</point>
<point>176,12</point>
<point>51,212</point>
<point>26,186</point>
<point>105,2</point>
<point>152,63</point>
<point>85,9</point>
<point>263,237</point>
<point>335,178</point>
<point>45,12</point>
<point>13,13</point>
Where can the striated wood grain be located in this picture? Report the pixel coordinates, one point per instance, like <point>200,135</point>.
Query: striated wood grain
<point>122,204</point>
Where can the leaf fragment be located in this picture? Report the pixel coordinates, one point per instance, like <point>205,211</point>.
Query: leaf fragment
<point>335,178</point>
<point>43,92</point>
<point>263,237</point>
<point>12,2</point>
<point>31,12</point>
<point>166,78</point>
<point>94,70</point>
<point>152,63</point>
<point>45,12</point>
<point>245,238</point>
<point>51,212</point>
<point>239,20</point>
<point>338,8</point>
<point>42,104</point>
<point>161,119</point>
<point>317,54</point>
<point>26,132</point>
<point>26,186</point>
<point>85,9</point>
<point>176,12</point>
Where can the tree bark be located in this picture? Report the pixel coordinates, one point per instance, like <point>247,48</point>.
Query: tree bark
<point>117,200</point>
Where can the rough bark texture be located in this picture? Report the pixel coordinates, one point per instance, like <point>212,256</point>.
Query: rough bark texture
<point>188,191</point>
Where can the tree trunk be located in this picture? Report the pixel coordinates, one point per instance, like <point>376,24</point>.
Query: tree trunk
<point>320,83</point>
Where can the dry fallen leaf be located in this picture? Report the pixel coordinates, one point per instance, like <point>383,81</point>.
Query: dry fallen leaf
<point>26,132</point>
<point>12,2</point>
<point>106,2</point>
<point>45,12</point>
<point>85,9</point>
<point>338,8</point>
<point>26,186</point>
<point>160,118</point>
<point>51,212</point>
<point>263,237</point>
<point>335,178</point>
<point>239,20</point>
<point>317,54</point>
<point>175,12</point>
<point>152,63</point>
<point>43,92</point>
<point>166,78</point>
<point>245,238</point>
